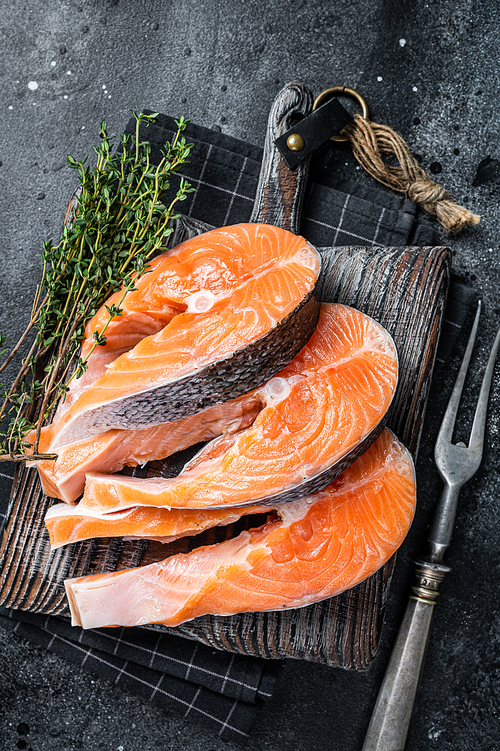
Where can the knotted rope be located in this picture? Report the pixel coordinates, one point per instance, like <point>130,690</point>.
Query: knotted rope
<point>371,142</point>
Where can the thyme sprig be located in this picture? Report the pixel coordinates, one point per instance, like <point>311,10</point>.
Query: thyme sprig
<point>125,208</point>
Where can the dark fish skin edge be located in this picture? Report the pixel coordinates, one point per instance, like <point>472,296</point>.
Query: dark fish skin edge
<point>319,481</point>
<point>316,483</point>
<point>322,479</point>
<point>244,370</point>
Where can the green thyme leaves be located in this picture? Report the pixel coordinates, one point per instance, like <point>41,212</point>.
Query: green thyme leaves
<point>123,211</point>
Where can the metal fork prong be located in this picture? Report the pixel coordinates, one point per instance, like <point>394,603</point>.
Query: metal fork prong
<point>446,430</point>
<point>478,426</point>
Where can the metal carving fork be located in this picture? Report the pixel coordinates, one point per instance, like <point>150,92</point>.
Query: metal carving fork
<point>456,463</point>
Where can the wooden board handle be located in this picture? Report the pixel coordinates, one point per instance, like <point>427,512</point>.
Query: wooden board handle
<point>280,192</point>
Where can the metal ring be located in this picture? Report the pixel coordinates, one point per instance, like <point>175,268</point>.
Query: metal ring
<point>342,91</point>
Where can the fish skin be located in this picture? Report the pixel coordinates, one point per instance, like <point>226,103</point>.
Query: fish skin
<point>134,326</point>
<point>251,345</point>
<point>221,381</point>
<point>296,445</point>
<point>322,545</point>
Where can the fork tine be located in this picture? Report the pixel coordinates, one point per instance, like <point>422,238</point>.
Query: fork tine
<point>446,430</point>
<point>478,426</point>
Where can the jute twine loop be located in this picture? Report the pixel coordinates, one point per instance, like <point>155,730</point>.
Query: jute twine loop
<point>371,142</point>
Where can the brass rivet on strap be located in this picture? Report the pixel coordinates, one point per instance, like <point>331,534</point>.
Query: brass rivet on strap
<point>295,142</point>
<point>341,91</point>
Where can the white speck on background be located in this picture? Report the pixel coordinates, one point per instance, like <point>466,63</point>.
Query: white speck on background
<point>65,96</point>
<point>69,73</point>
<point>402,42</point>
<point>105,91</point>
<point>434,733</point>
<point>414,88</point>
<point>109,96</point>
<point>11,107</point>
<point>52,63</point>
<point>379,78</point>
<point>104,86</point>
<point>83,127</point>
<point>120,748</point>
<point>33,85</point>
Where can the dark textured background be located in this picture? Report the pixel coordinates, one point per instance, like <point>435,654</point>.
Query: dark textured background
<point>428,69</point>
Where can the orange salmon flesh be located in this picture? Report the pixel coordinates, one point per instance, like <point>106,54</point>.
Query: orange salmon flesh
<point>322,544</point>
<point>320,408</point>
<point>213,295</point>
<point>64,478</point>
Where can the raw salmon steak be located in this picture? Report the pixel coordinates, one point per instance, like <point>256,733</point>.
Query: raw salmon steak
<point>66,524</point>
<point>322,545</point>
<point>321,412</point>
<point>210,321</point>
<point>64,477</point>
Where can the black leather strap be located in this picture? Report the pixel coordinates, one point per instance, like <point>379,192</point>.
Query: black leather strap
<point>328,120</point>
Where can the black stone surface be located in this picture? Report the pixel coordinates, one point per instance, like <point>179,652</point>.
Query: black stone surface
<point>430,70</point>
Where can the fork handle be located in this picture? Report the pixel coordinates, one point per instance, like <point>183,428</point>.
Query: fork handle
<point>442,525</point>
<point>393,709</point>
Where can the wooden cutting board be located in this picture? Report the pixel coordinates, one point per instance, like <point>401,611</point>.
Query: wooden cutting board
<point>405,290</point>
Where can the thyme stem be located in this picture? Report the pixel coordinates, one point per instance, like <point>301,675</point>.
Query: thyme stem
<point>121,220</point>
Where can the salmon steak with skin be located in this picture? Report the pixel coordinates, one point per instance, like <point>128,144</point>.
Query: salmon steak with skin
<point>322,545</point>
<point>320,413</point>
<point>212,319</point>
<point>64,477</point>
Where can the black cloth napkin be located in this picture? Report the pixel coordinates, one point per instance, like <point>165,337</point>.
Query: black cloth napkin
<point>223,690</point>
